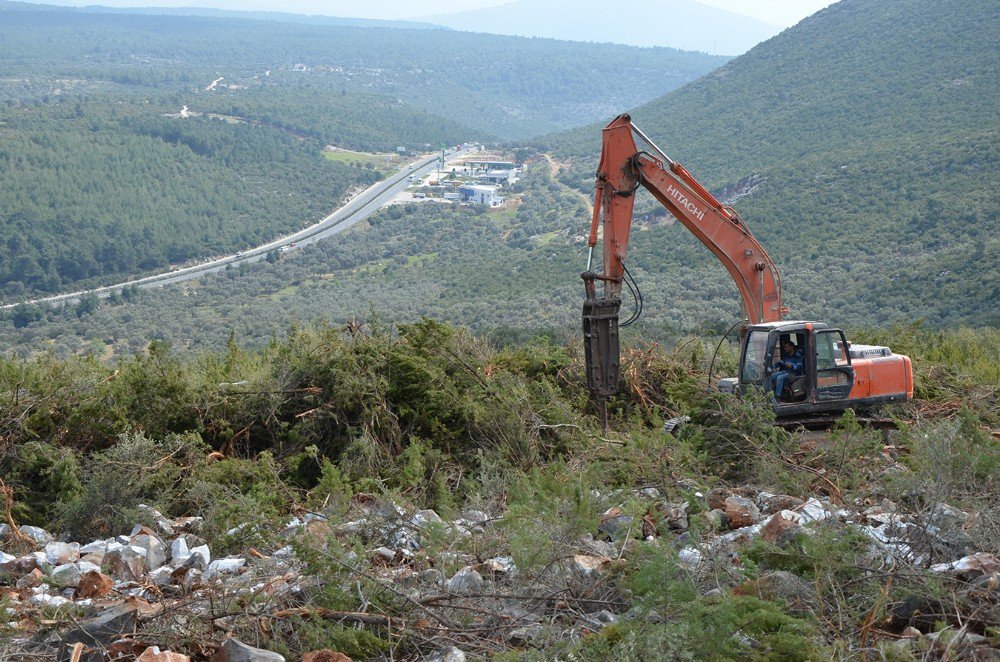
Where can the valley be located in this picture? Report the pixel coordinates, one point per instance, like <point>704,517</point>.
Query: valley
<point>292,364</point>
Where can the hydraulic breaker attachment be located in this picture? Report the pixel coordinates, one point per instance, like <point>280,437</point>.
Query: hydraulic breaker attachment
<point>601,345</point>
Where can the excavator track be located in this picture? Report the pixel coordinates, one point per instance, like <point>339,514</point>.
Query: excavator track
<point>827,421</point>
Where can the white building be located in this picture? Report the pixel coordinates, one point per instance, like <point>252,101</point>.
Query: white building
<point>480,194</point>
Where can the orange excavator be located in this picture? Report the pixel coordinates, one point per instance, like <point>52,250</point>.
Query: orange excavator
<point>827,374</point>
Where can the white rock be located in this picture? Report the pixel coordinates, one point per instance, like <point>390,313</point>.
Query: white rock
<point>944,515</point>
<point>188,524</point>
<point>744,535</point>
<point>501,565</point>
<point>689,556</point>
<point>449,654</point>
<point>813,511</point>
<point>475,516</point>
<point>292,527</point>
<point>228,566</point>
<point>762,498</point>
<point>422,518</point>
<point>39,536</point>
<point>6,558</point>
<point>385,554</point>
<point>87,566</point>
<point>44,599</point>
<point>315,517</point>
<point>589,565</point>
<point>465,580</point>
<point>236,529</point>
<point>40,560</point>
<point>204,557</point>
<point>59,553</point>
<point>67,574</point>
<point>153,550</point>
<point>98,546</point>
<point>162,523</point>
<point>980,563</point>
<point>179,552</point>
<point>390,510</point>
<point>161,576</point>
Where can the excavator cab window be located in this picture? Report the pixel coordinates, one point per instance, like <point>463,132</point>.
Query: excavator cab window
<point>834,375</point>
<point>753,358</point>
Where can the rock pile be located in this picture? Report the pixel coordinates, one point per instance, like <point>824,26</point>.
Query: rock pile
<point>137,595</point>
<point>111,586</point>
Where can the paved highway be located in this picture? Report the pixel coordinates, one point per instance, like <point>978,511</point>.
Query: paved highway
<point>356,210</point>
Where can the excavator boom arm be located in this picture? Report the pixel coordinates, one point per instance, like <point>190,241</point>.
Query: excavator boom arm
<point>623,168</point>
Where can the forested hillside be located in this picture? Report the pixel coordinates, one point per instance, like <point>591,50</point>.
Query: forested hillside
<point>104,187</point>
<point>381,446</point>
<point>871,132</point>
<point>507,87</point>
<point>94,144</point>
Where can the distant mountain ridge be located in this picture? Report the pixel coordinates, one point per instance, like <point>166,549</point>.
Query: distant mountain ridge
<point>284,17</point>
<point>681,24</point>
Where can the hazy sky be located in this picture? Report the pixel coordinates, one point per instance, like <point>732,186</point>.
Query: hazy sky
<point>778,12</point>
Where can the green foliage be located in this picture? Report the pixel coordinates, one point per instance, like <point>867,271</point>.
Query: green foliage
<point>139,191</point>
<point>735,628</point>
<point>332,492</point>
<point>740,627</point>
<point>355,644</point>
<point>549,509</point>
<point>117,480</point>
<point>737,435</point>
<point>955,462</point>
<point>658,582</point>
<point>43,476</point>
<point>101,150</point>
<point>503,86</point>
<point>954,366</point>
<point>242,500</point>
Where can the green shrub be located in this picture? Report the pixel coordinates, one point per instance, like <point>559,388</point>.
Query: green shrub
<point>116,481</point>
<point>42,476</point>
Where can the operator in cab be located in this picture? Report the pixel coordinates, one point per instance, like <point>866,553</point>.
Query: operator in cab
<point>790,365</point>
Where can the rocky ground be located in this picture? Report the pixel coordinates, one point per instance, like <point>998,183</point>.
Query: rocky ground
<point>450,590</point>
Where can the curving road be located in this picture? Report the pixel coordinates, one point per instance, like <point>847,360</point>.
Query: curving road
<point>356,210</point>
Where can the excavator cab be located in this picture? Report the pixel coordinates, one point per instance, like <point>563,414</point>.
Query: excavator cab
<point>827,376</point>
